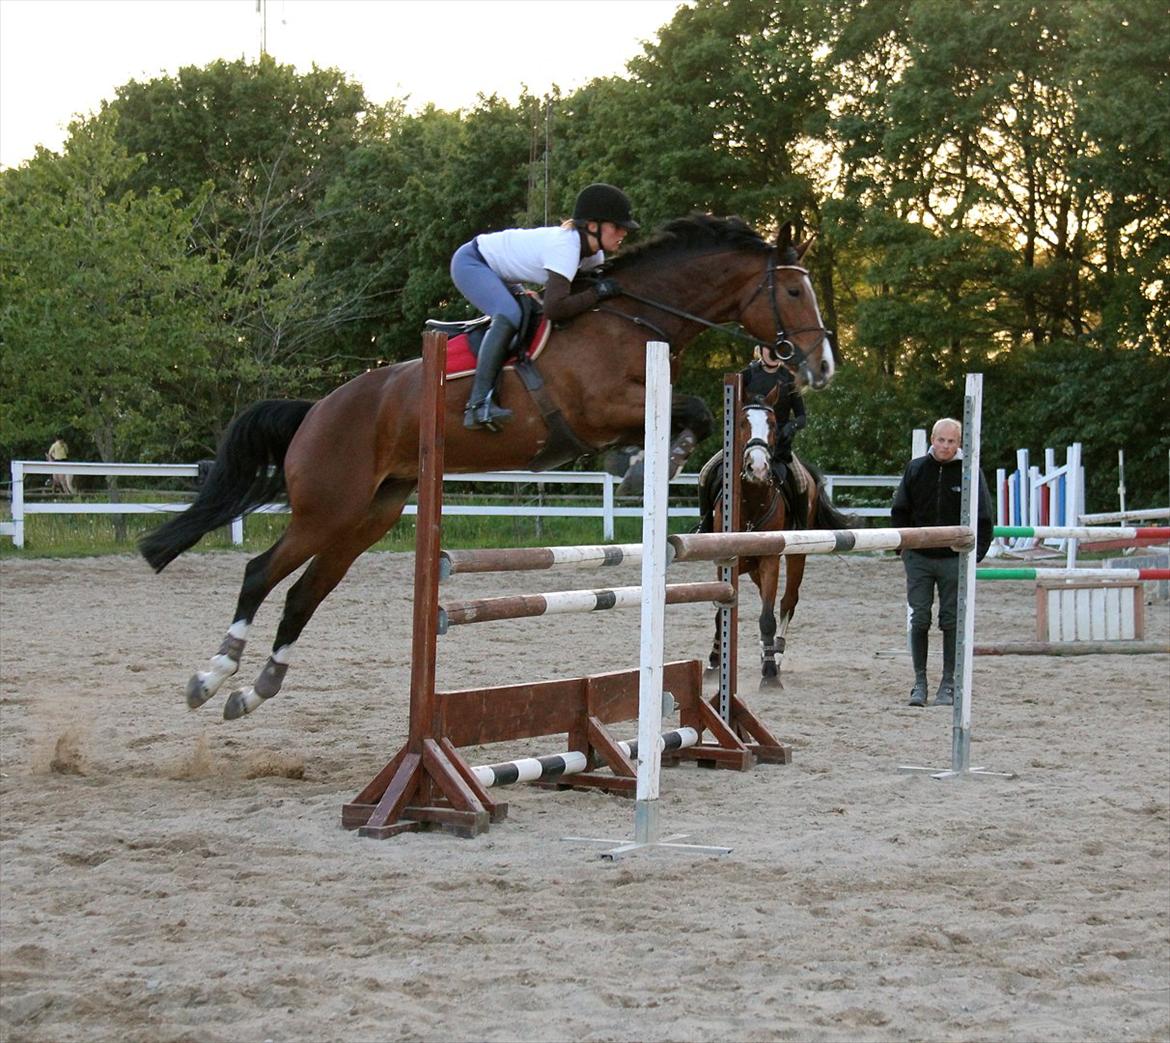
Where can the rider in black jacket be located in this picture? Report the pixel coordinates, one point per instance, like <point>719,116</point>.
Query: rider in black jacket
<point>759,381</point>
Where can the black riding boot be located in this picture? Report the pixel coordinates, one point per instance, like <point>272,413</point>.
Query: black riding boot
<point>919,644</point>
<point>709,493</point>
<point>945,696</point>
<point>481,410</point>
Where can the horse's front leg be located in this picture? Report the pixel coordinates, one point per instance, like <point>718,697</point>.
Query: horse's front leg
<point>713,658</point>
<point>793,574</point>
<point>690,422</point>
<point>767,578</point>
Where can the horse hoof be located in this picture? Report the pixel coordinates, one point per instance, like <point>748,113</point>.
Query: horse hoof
<point>198,691</point>
<point>240,703</point>
<point>770,682</point>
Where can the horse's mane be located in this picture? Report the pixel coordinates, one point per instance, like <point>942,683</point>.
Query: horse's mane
<point>696,233</point>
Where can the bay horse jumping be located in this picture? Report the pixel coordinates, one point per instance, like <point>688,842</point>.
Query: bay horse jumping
<point>766,505</point>
<point>348,462</point>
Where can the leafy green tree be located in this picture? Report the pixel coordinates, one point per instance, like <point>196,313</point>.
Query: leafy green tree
<point>108,319</point>
<point>1120,78</point>
<point>269,142</point>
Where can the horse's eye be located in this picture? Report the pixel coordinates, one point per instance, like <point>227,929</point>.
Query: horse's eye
<point>794,291</point>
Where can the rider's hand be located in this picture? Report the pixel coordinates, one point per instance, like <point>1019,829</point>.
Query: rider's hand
<point>788,431</point>
<point>607,288</point>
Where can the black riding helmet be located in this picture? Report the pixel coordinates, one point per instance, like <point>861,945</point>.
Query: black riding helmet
<point>602,202</point>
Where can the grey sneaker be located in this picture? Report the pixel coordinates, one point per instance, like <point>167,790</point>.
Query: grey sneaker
<point>945,696</point>
<point>918,693</point>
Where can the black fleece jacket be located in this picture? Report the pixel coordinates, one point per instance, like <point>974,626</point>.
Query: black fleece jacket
<point>931,493</point>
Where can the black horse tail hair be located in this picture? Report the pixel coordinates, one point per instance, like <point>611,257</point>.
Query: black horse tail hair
<point>248,472</point>
<point>827,515</point>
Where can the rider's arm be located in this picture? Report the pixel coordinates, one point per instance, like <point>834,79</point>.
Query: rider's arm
<point>798,415</point>
<point>561,303</point>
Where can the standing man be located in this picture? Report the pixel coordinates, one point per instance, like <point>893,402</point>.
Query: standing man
<point>931,494</point>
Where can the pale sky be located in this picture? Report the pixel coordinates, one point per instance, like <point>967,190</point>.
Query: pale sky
<point>61,58</point>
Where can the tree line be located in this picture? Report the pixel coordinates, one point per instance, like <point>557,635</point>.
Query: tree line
<point>986,181</point>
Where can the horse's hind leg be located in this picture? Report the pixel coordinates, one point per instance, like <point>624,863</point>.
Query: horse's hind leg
<point>325,571</point>
<point>261,574</point>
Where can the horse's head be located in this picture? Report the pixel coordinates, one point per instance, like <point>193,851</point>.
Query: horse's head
<point>757,422</point>
<point>781,312</point>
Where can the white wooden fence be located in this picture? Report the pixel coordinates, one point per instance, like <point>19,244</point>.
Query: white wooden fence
<point>607,510</point>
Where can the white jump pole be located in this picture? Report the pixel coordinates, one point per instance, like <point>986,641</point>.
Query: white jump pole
<point>653,621</point>
<point>656,471</point>
<point>965,638</point>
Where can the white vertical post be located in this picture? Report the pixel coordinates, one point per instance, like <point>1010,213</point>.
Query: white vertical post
<point>919,443</point>
<point>238,531</point>
<point>1074,498</point>
<point>18,503</point>
<point>656,472</point>
<point>607,507</point>
<point>969,514</point>
<point>1120,485</point>
<point>1023,511</point>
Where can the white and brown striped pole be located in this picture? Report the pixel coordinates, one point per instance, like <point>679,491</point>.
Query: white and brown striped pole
<point>719,546</point>
<point>525,606</point>
<point>528,559</point>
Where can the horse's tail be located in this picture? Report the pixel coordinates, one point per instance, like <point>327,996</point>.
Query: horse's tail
<point>248,472</point>
<point>826,515</point>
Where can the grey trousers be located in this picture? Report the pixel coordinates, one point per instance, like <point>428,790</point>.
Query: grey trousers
<point>923,576</point>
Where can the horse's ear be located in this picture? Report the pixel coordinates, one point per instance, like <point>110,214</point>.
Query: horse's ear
<point>800,250</point>
<point>784,237</point>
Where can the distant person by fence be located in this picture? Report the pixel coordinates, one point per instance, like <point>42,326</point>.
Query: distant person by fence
<point>59,450</point>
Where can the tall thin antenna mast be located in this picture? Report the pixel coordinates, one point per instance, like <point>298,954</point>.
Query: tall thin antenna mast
<point>547,146</point>
<point>262,11</point>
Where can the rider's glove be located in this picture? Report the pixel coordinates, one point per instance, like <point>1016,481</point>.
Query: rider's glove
<point>788,431</point>
<point>607,288</point>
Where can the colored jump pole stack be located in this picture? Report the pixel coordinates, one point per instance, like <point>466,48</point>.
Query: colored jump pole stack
<point>965,643</point>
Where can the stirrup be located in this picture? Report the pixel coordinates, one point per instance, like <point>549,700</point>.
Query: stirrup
<point>485,414</point>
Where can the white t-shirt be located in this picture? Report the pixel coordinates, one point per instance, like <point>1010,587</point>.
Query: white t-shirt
<point>525,254</point>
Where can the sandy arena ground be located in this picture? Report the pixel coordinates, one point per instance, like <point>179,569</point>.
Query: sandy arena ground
<point>166,875</point>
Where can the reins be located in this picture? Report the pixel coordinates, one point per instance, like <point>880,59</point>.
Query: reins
<point>782,346</point>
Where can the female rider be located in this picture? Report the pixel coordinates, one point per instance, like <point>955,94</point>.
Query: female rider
<point>485,268</point>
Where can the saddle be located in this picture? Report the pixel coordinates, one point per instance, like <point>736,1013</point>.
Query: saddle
<point>793,491</point>
<point>464,336</point>
<point>463,341</point>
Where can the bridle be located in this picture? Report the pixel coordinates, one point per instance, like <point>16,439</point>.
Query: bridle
<point>781,346</point>
<point>758,443</point>
<point>765,516</point>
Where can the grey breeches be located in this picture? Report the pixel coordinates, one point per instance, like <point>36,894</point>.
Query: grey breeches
<point>923,576</point>
<point>480,285</point>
